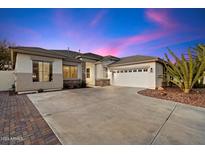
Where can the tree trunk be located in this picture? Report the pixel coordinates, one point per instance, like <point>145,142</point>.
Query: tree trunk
<point>186,91</point>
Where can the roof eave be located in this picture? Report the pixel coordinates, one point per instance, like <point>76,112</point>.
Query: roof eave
<point>139,62</point>
<point>91,58</point>
<point>72,60</point>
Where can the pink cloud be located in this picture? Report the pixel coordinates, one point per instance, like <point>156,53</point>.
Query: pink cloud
<point>97,18</point>
<point>143,38</point>
<point>161,17</point>
<point>167,26</point>
<point>116,47</point>
<point>107,51</point>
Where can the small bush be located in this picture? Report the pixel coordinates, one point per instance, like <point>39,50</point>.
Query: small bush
<point>83,84</point>
<point>40,90</point>
<point>13,87</point>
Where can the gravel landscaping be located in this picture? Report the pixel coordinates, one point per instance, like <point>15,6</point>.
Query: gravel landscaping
<point>196,96</point>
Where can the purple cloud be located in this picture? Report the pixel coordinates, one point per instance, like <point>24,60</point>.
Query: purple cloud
<point>165,29</point>
<point>161,17</point>
<point>98,17</point>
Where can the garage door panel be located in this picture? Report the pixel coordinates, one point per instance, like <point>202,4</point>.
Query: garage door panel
<point>132,79</point>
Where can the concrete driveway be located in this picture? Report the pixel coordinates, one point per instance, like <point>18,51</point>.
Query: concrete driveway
<point>118,115</point>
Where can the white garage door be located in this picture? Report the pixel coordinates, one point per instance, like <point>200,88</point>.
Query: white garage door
<point>133,78</point>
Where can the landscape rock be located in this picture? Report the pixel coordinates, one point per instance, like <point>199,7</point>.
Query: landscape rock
<point>160,88</point>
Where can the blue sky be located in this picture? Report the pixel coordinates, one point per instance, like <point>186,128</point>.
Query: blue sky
<point>118,32</point>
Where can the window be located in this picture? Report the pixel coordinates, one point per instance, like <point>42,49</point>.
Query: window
<point>88,73</point>
<point>121,71</point>
<point>151,69</point>
<point>139,70</point>
<point>134,70</point>
<point>125,71</point>
<point>42,71</point>
<point>130,70</point>
<point>118,71</point>
<point>70,72</point>
<point>145,70</point>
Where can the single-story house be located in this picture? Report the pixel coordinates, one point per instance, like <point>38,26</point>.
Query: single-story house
<point>36,68</point>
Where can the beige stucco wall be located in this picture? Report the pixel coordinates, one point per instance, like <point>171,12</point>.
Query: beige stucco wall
<point>24,63</point>
<point>99,71</point>
<point>80,71</point>
<point>91,80</point>
<point>24,82</point>
<point>23,73</point>
<point>6,80</point>
<point>159,74</point>
<point>139,79</point>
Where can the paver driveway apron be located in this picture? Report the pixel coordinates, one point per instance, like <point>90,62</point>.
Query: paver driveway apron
<point>118,115</point>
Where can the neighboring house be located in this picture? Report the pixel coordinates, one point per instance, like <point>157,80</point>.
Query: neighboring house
<point>37,68</point>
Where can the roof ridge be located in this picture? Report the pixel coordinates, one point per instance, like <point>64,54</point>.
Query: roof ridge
<point>139,55</point>
<point>92,53</point>
<point>38,50</point>
<point>135,59</point>
<point>29,47</point>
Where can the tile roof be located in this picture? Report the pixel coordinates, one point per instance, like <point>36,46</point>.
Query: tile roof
<point>69,55</point>
<point>134,59</point>
<point>92,56</point>
<point>48,53</point>
<point>109,57</point>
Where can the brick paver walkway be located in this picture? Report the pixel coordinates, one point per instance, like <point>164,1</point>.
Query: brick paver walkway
<point>21,123</point>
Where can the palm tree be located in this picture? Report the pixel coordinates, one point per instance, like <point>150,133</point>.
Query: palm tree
<point>186,73</point>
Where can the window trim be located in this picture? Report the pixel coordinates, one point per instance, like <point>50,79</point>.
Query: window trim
<point>37,74</point>
<point>70,76</point>
<point>87,73</point>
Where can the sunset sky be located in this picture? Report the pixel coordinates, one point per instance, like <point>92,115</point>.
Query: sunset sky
<point>118,32</point>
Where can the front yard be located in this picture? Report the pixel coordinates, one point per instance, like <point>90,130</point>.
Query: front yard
<point>196,97</point>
